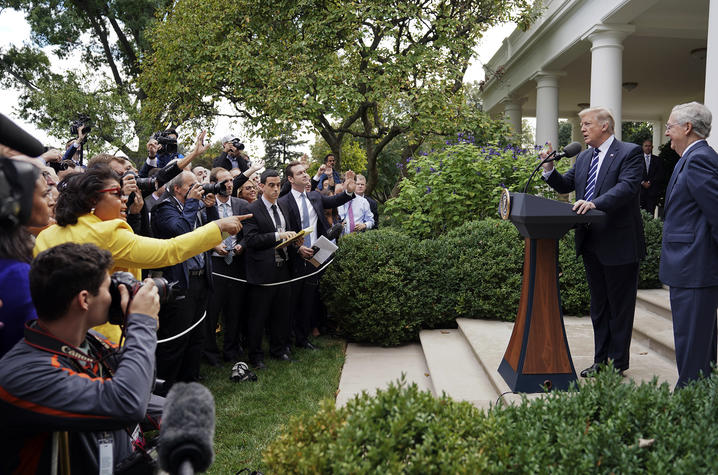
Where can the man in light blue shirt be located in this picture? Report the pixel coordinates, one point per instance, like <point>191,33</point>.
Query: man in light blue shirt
<point>356,214</point>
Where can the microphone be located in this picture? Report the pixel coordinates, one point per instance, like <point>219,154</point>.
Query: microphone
<point>568,151</point>
<point>187,430</point>
<point>17,139</point>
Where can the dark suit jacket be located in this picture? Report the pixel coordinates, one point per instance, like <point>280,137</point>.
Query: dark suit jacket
<point>690,230</point>
<point>259,235</point>
<point>619,240</point>
<point>224,162</point>
<point>168,221</point>
<point>239,207</point>
<point>655,175</point>
<point>374,208</point>
<point>319,202</point>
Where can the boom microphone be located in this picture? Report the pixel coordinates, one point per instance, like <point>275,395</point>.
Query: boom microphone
<point>187,430</point>
<point>17,139</point>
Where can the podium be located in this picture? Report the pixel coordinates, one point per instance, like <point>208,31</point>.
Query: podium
<point>538,355</point>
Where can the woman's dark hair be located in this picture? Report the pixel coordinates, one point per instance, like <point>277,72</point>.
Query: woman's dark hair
<point>15,243</point>
<point>80,192</point>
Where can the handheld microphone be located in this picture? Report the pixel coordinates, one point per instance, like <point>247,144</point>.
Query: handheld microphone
<point>187,430</point>
<point>568,151</point>
<point>17,139</point>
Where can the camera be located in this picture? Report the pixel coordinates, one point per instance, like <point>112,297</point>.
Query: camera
<point>17,190</point>
<point>116,313</point>
<point>82,120</point>
<point>167,144</point>
<point>237,144</point>
<point>216,188</point>
<point>146,185</point>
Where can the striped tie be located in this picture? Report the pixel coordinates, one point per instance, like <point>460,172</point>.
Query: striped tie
<point>592,174</point>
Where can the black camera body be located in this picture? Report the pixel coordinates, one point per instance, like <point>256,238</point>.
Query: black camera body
<point>17,190</point>
<point>237,144</point>
<point>167,144</point>
<point>82,120</point>
<point>216,188</point>
<point>116,313</point>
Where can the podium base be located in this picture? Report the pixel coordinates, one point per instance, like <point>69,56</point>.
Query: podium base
<point>534,383</point>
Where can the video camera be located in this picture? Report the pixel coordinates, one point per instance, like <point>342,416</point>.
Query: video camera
<point>116,313</point>
<point>82,121</point>
<point>167,144</point>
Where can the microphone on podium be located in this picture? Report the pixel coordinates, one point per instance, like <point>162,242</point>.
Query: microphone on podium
<point>569,150</point>
<point>187,430</point>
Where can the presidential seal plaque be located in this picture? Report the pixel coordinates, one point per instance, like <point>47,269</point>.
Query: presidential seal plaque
<point>505,204</point>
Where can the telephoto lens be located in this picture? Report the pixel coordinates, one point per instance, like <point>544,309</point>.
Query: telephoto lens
<point>117,313</point>
<point>216,188</point>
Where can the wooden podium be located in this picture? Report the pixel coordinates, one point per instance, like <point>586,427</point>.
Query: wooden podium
<point>538,353</point>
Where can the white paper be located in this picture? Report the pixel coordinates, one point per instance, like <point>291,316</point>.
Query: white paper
<point>326,249</point>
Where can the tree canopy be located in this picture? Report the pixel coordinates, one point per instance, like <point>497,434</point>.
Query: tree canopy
<point>371,69</point>
<point>105,42</point>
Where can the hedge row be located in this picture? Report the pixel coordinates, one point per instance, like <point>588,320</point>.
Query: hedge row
<point>385,286</point>
<point>607,427</point>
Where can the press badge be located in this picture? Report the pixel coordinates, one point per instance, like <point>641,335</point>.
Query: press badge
<point>105,441</point>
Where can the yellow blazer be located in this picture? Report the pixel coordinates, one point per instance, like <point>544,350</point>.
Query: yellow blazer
<point>131,252</point>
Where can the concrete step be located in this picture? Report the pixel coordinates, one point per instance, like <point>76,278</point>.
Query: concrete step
<point>454,368</point>
<point>655,300</point>
<point>655,332</point>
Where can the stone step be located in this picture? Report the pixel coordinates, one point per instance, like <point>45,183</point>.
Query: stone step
<point>655,300</point>
<point>655,332</point>
<point>454,369</point>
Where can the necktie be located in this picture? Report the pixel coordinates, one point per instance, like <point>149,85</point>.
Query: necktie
<point>592,174</point>
<point>277,219</point>
<point>648,163</point>
<point>350,213</point>
<point>229,242</point>
<point>305,221</point>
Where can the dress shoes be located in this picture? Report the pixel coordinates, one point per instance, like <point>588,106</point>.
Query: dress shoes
<point>307,346</point>
<point>283,357</point>
<point>595,368</point>
<point>258,365</point>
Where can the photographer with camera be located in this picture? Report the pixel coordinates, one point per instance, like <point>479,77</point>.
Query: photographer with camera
<point>67,380</point>
<point>74,148</point>
<point>232,155</point>
<point>90,209</point>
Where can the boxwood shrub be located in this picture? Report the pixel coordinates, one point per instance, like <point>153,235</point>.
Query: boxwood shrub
<point>608,426</point>
<point>385,286</point>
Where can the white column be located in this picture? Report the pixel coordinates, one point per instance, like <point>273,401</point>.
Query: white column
<point>658,135</point>
<point>547,107</point>
<point>513,114</point>
<point>711,94</point>
<point>607,67</point>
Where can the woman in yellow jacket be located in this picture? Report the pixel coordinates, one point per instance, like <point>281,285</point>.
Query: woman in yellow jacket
<point>91,209</point>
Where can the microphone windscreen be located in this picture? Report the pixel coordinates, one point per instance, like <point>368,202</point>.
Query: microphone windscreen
<point>572,149</point>
<point>17,139</point>
<point>187,428</point>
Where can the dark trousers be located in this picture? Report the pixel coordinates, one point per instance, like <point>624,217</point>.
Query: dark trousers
<point>694,331</point>
<point>613,303</point>
<point>270,306</point>
<point>178,360</point>
<point>226,298</point>
<point>305,293</point>
<point>648,202</point>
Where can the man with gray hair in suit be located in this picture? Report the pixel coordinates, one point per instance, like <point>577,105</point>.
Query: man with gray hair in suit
<point>689,254</point>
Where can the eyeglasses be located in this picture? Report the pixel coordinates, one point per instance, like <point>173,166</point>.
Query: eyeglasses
<point>117,191</point>
<point>669,125</point>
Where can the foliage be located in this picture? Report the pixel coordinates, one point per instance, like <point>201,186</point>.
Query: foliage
<point>278,150</point>
<point>105,41</point>
<point>608,426</point>
<point>636,132</point>
<point>353,157</point>
<point>385,286</point>
<point>462,182</point>
<point>564,133</point>
<point>377,69</point>
<point>251,414</point>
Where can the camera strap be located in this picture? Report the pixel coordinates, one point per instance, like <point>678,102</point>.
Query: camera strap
<point>39,338</point>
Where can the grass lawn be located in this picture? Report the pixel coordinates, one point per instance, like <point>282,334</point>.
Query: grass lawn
<point>251,414</point>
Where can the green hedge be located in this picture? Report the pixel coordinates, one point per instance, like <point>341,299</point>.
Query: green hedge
<point>609,426</point>
<point>385,286</point>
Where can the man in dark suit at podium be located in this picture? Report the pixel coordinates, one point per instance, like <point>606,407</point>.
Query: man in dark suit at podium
<point>652,178</point>
<point>690,241</point>
<point>607,177</point>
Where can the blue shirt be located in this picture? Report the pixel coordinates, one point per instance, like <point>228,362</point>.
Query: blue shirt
<point>17,303</point>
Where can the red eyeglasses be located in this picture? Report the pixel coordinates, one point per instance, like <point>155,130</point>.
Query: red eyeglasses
<point>117,191</point>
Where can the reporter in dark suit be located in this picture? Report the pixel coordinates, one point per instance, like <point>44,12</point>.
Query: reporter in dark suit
<point>653,176</point>
<point>607,177</point>
<point>228,296</point>
<point>689,254</point>
<point>266,265</point>
<point>306,209</point>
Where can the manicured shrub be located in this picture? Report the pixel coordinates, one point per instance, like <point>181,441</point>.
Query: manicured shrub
<point>609,426</point>
<point>653,230</point>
